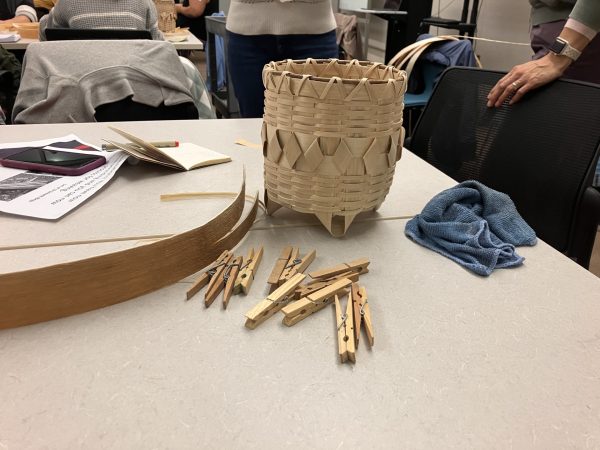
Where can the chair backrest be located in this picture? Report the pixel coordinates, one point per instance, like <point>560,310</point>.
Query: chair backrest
<point>541,151</point>
<point>76,81</point>
<point>70,34</point>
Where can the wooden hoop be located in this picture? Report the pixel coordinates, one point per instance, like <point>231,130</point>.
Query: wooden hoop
<point>62,290</point>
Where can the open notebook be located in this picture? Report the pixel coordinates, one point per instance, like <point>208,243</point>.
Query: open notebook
<point>186,156</point>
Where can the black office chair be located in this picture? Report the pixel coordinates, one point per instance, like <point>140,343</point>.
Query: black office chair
<point>466,25</point>
<point>70,34</point>
<point>541,151</point>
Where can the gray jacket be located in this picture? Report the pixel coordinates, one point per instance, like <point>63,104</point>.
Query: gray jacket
<point>64,81</point>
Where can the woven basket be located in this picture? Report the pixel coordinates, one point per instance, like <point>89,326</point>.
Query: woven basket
<point>332,133</point>
<point>167,17</point>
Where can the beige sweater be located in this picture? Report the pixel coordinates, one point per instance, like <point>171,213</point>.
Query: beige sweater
<point>253,17</point>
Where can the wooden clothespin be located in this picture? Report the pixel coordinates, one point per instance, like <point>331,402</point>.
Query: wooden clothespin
<point>279,266</point>
<point>246,276</point>
<point>205,278</point>
<point>217,281</point>
<point>345,331</point>
<point>362,313</point>
<point>273,303</point>
<point>229,277</point>
<point>301,309</point>
<point>359,266</point>
<point>296,264</point>
<point>315,285</point>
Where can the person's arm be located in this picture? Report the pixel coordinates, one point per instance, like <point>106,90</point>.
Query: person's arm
<point>195,9</point>
<point>533,74</point>
<point>58,17</point>
<point>24,13</point>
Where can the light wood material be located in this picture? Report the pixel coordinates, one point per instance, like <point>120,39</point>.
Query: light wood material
<point>217,281</point>
<point>61,290</point>
<point>246,276</point>
<point>313,286</point>
<point>279,266</point>
<point>332,135</point>
<point>204,279</point>
<point>362,313</point>
<point>229,279</point>
<point>296,265</point>
<point>167,16</point>
<point>341,330</point>
<point>359,266</point>
<point>345,330</point>
<point>301,309</point>
<point>273,303</point>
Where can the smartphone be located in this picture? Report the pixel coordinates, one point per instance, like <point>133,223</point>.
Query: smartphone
<point>53,161</point>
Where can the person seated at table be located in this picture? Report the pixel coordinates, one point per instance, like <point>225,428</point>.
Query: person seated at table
<point>191,13</point>
<point>17,11</point>
<point>43,7</point>
<point>121,14</point>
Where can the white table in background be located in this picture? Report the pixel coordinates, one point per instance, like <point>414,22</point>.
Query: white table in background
<point>192,43</point>
<point>511,360</point>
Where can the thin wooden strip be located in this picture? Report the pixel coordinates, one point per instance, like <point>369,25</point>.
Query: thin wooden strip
<point>62,290</point>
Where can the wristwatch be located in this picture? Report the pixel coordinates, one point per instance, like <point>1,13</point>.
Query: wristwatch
<point>562,47</point>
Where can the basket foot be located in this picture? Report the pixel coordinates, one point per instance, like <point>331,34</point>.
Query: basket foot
<point>336,225</point>
<point>271,205</point>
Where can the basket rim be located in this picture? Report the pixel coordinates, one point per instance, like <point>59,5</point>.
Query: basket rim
<point>271,69</point>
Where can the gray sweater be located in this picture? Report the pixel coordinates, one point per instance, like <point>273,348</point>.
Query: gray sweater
<point>127,14</point>
<point>256,17</point>
<point>584,11</point>
<point>64,81</point>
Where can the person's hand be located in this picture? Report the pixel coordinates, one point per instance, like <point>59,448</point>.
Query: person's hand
<point>525,77</point>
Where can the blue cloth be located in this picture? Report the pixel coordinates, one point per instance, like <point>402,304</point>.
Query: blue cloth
<point>220,57</point>
<point>442,54</point>
<point>450,53</point>
<point>473,225</point>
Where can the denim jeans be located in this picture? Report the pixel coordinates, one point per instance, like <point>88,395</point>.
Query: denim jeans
<point>247,56</point>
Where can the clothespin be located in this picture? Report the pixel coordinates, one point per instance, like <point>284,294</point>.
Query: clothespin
<point>229,277</point>
<point>315,285</point>
<point>359,266</point>
<point>345,331</point>
<point>301,309</point>
<point>296,264</point>
<point>217,281</point>
<point>273,303</point>
<point>362,313</point>
<point>246,276</point>
<point>279,266</point>
<point>205,278</point>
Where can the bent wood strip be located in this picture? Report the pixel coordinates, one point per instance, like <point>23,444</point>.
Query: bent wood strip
<point>62,290</point>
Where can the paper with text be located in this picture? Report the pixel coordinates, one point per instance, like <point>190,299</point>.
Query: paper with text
<point>49,196</point>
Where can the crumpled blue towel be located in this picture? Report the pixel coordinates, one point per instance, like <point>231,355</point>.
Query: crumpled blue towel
<point>473,225</point>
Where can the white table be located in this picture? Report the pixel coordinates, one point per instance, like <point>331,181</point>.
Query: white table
<point>191,43</point>
<point>459,361</point>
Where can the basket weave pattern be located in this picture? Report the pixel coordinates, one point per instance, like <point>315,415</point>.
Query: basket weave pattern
<point>167,17</point>
<point>332,134</point>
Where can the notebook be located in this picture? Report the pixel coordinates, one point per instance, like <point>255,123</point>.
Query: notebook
<point>186,156</point>
<point>9,37</point>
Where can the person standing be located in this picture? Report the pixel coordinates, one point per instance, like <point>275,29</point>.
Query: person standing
<point>260,31</point>
<point>191,13</point>
<point>565,42</point>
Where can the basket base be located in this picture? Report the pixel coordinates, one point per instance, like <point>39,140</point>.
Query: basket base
<point>337,225</point>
